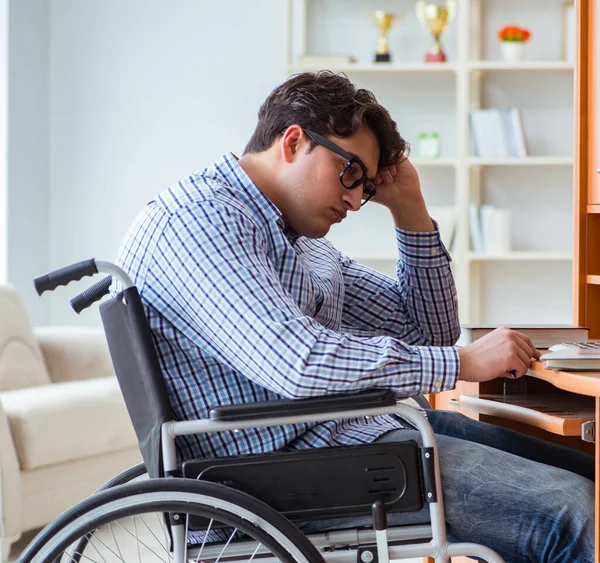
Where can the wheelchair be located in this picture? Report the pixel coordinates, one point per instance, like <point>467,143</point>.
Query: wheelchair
<point>243,508</point>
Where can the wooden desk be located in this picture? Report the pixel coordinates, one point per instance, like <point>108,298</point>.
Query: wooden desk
<point>549,410</point>
<point>582,383</point>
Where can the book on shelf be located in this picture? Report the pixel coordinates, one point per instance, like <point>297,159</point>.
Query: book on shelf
<point>490,229</point>
<point>573,359</point>
<point>475,228</point>
<point>497,132</point>
<point>542,335</point>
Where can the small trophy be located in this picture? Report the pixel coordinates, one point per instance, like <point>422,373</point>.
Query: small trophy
<point>384,21</point>
<point>435,19</point>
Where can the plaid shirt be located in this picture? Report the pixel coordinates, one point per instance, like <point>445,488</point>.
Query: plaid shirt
<point>242,311</point>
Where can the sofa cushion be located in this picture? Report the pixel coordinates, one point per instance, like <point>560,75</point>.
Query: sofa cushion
<point>73,353</point>
<point>61,422</point>
<point>21,361</point>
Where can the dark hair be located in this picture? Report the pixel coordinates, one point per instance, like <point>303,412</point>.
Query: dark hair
<point>329,104</point>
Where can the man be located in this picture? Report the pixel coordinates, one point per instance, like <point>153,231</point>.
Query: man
<point>248,302</point>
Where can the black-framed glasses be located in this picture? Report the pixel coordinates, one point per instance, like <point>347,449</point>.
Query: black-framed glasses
<point>354,173</point>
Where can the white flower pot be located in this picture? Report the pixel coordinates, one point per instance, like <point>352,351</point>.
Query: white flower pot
<point>512,51</point>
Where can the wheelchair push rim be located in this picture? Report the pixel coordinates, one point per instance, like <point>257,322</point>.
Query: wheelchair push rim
<point>84,524</point>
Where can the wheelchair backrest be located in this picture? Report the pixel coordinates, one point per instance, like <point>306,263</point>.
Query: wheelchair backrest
<point>138,371</point>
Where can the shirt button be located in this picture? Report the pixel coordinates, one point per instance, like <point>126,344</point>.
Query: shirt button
<point>437,384</point>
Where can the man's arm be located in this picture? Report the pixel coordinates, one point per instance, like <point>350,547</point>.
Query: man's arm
<point>212,278</point>
<point>500,353</point>
<point>419,307</point>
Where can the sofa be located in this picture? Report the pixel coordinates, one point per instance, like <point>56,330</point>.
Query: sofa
<point>64,428</point>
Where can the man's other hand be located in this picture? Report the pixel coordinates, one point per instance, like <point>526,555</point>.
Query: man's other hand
<point>497,354</point>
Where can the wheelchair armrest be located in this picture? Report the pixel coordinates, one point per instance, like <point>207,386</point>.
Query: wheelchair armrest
<point>372,398</point>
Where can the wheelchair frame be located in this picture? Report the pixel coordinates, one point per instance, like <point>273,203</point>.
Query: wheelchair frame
<point>438,547</point>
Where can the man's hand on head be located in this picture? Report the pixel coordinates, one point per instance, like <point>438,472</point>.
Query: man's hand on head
<point>399,189</point>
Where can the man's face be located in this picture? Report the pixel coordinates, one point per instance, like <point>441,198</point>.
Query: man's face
<point>315,198</point>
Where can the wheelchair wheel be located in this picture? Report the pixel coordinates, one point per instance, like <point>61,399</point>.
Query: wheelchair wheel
<point>127,522</point>
<point>131,474</point>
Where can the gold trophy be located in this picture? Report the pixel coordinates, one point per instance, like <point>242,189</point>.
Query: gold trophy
<point>384,21</point>
<point>435,19</point>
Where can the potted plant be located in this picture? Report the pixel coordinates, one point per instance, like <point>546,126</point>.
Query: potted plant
<point>512,38</point>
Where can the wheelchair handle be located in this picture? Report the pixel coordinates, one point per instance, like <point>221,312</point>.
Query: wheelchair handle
<point>91,295</point>
<point>65,275</point>
<point>77,271</point>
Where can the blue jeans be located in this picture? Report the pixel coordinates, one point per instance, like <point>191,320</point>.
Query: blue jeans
<point>529,500</point>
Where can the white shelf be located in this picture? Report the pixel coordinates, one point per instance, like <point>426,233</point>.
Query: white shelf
<point>523,65</point>
<point>520,161</point>
<point>521,255</point>
<point>438,97</point>
<point>422,162</point>
<point>380,68</point>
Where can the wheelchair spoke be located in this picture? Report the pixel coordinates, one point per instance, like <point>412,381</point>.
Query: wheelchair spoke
<point>80,555</point>
<point>95,538</point>
<point>156,538</point>
<point>92,541</point>
<point>204,540</point>
<point>255,552</point>
<point>161,523</point>
<point>226,545</point>
<point>116,542</point>
<point>139,541</point>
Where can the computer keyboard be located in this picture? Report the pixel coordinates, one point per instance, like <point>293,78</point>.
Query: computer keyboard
<point>587,345</point>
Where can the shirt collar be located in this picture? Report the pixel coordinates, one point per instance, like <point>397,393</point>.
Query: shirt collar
<point>235,176</point>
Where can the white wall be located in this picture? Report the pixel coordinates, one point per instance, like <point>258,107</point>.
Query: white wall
<point>3,132</point>
<point>142,93</point>
<point>27,166</point>
<point>111,101</point>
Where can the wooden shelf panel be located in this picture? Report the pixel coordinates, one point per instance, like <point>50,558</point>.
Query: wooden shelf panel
<point>556,413</point>
<point>593,280</point>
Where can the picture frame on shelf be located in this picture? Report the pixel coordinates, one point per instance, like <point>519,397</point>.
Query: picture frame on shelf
<point>568,32</point>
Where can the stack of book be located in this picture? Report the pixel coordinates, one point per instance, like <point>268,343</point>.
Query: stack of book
<point>542,336</point>
<point>568,346</point>
<point>497,132</point>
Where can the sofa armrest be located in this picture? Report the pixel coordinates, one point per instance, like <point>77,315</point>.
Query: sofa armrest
<point>74,353</point>
<point>10,483</point>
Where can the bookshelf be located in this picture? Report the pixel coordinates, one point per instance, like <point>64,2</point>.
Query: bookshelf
<point>586,270</point>
<point>438,97</point>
